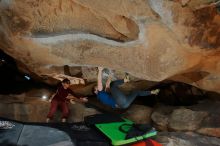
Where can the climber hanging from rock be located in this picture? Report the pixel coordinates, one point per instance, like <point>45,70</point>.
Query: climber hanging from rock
<point>113,96</point>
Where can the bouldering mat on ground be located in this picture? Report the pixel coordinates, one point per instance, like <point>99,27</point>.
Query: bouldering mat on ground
<point>102,118</point>
<point>117,137</point>
<point>42,135</point>
<point>10,136</point>
<point>51,134</point>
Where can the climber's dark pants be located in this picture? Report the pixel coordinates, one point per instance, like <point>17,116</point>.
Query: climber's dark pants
<point>53,108</point>
<point>122,100</point>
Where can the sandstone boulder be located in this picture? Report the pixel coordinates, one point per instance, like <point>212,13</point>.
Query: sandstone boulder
<point>35,109</point>
<point>152,40</point>
<point>139,114</point>
<point>210,126</point>
<point>186,119</point>
<point>202,118</point>
<point>160,117</point>
<point>186,139</point>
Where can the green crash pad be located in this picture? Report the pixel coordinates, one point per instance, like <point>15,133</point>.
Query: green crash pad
<point>111,130</point>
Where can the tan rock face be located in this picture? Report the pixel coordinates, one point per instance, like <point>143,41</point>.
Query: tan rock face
<point>185,139</point>
<point>202,118</point>
<point>185,119</point>
<point>152,40</point>
<point>33,109</point>
<point>139,114</point>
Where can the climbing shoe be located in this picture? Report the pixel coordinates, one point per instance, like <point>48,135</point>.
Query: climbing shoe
<point>127,78</point>
<point>155,92</point>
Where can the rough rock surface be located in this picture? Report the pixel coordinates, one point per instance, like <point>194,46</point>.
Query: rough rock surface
<point>211,124</point>
<point>35,109</point>
<point>140,114</point>
<point>150,39</point>
<point>202,118</point>
<point>186,119</point>
<point>186,139</point>
<point>160,117</point>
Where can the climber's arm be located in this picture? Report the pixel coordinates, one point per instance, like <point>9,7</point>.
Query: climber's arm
<point>99,80</point>
<point>107,85</point>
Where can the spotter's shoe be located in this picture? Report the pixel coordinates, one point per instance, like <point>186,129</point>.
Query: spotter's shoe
<point>47,120</point>
<point>63,120</point>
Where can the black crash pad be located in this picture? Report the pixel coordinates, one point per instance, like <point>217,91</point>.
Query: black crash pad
<point>52,134</point>
<point>42,135</point>
<point>11,136</point>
